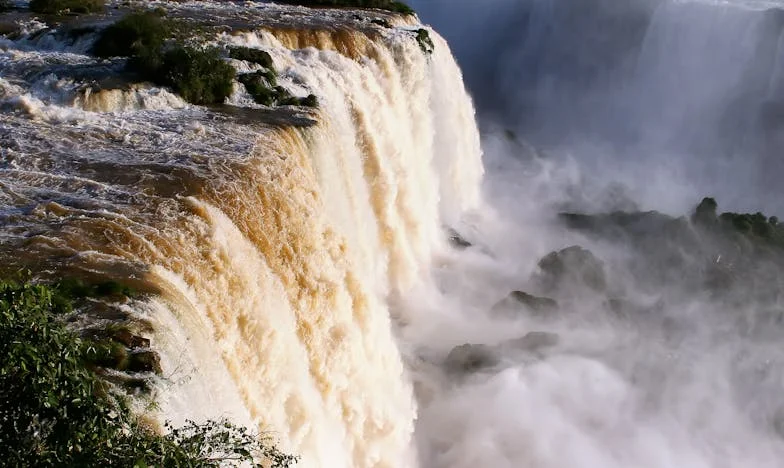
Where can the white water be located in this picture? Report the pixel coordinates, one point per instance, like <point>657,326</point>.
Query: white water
<point>306,286</point>
<point>282,263</point>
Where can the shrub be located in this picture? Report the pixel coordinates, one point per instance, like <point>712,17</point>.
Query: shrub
<point>140,34</point>
<point>262,85</point>
<point>199,76</point>
<point>55,7</point>
<point>247,54</point>
<point>424,41</point>
<point>5,5</point>
<point>55,412</point>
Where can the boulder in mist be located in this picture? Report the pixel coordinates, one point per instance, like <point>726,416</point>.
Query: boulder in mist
<point>533,341</point>
<point>468,358</point>
<point>520,301</point>
<point>456,240</point>
<point>572,268</point>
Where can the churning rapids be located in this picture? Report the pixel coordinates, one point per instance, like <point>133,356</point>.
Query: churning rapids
<point>315,272</point>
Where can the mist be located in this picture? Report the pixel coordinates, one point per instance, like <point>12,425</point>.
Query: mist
<point>685,94</point>
<point>596,107</point>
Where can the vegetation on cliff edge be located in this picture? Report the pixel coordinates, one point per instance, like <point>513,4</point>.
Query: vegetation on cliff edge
<point>55,411</point>
<point>200,76</point>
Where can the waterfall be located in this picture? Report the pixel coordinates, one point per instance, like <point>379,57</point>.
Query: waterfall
<point>277,255</point>
<point>307,243</point>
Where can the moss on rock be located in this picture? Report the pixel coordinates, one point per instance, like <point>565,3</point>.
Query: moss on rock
<point>199,76</point>
<point>424,41</point>
<point>262,86</point>
<point>139,34</point>
<point>247,54</point>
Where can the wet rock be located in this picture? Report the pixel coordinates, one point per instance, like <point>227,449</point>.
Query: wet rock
<point>705,213</point>
<point>457,240</point>
<point>534,341</point>
<point>119,334</point>
<point>381,22</point>
<point>128,382</point>
<point>535,303</point>
<point>519,301</point>
<point>468,358</point>
<point>144,361</point>
<point>256,56</point>
<point>572,267</point>
<point>129,339</point>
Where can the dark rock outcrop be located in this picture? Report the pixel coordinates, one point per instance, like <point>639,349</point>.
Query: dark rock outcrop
<point>533,341</point>
<point>469,358</point>
<point>535,303</point>
<point>569,268</point>
<point>144,361</point>
<point>519,301</point>
<point>456,240</point>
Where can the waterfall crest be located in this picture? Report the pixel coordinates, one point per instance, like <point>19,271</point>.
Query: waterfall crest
<point>274,253</point>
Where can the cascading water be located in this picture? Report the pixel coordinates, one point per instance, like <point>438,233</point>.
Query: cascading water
<point>276,255</point>
<point>296,266</point>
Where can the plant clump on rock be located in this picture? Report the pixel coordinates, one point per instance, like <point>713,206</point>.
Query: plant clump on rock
<point>247,54</point>
<point>262,86</point>
<point>424,41</point>
<point>139,35</point>
<point>754,226</point>
<point>200,76</point>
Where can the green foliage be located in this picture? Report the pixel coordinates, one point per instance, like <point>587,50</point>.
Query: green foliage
<point>424,41</point>
<point>199,76</point>
<point>262,85</point>
<point>56,7</point>
<point>77,289</point>
<point>389,5</point>
<point>756,224</point>
<point>47,410</point>
<point>55,412</point>
<point>256,56</point>
<point>140,34</point>
<point>5,5</point>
